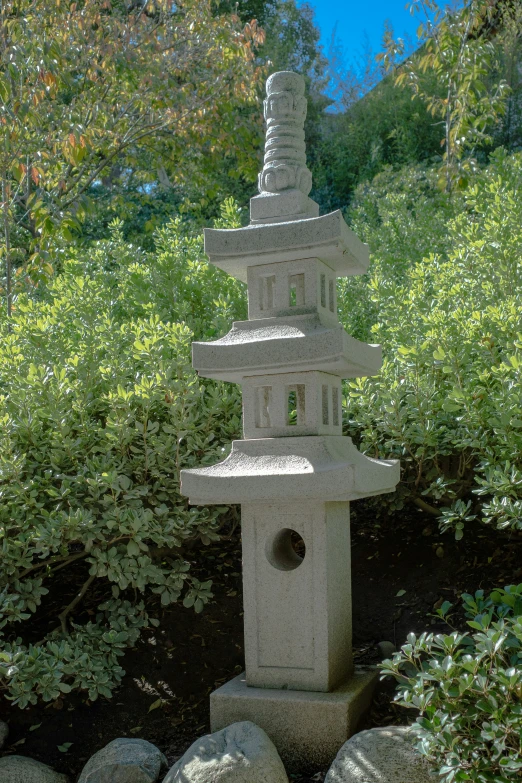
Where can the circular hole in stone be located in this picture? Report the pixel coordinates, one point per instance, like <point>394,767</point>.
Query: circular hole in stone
<point>285,550</point>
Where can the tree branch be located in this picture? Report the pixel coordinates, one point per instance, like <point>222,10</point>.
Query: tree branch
<point>63,562</point>
<point>420,503</point>
<point>76,600</point>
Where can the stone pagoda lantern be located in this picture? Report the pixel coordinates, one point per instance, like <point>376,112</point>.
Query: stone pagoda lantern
<point>294,473</point>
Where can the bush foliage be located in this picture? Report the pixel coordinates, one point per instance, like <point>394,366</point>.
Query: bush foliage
<point>99,411</point>
<point>100,408</point>
<point>468,689</point>
<point>444,297</point>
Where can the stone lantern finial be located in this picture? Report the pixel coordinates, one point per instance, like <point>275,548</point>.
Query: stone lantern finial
<point>285,181</point>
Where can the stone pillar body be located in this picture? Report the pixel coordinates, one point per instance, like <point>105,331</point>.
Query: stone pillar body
<point>297,610</point>
<point>294,473</point>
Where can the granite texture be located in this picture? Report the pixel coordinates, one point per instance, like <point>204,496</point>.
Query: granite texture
<point>298,611</point>
<point>279,345</point>
<point>326,237</point>
<point>323,468</point>
<point>124,760</point>
<point>307,727</point>
<point>239,753</point>
<point>316,408</point>
<point>294,473</point>
<point>20,769</point>
<point>383,755</point>
<point>293,288</point>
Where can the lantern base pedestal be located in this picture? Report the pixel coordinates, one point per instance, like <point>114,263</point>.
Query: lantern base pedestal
<point>308,728</point>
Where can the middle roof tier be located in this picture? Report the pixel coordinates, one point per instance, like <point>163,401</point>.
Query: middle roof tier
<point>291,344</point>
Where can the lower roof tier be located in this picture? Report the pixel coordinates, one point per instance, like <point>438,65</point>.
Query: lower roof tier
<point>325,468</point>
<point>281,345</point>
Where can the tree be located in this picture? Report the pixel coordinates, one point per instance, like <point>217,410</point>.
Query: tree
<point>379,126</point>
<point>86,87</point>
<point>510,46</point>
<point>461,56</point>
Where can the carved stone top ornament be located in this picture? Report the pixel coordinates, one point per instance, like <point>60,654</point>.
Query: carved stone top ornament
<point>285,152</point>
<point>285,182</point>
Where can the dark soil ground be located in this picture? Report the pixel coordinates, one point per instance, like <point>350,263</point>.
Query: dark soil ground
<point>402,571</point>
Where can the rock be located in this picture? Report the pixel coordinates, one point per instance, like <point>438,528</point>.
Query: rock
<point>241,753</point>
<point>4,733</point>
<point>383,755</point>
<point>20,769</point>
<point>386,649</point>
<point>124,760</point>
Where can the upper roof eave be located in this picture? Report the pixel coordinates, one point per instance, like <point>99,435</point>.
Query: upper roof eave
<point>327,237</point>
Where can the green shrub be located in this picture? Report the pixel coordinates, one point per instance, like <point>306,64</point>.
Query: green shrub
<point>99,411</point>
<point>444,297</point>
<point>468,689</point>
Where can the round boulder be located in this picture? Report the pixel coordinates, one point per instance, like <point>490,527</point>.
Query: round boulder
<point>241,753</point>
<point>21,769</point>
<point>124,760</point>
<point>386,649</point>
<point>379,756</point>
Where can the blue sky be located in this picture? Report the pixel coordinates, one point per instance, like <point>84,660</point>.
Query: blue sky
<point>355,19</point>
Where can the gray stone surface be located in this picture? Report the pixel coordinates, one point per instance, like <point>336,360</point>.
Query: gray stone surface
<point>318,405</point>
<point>279,207</point>
<point>383,755</point>
<point>327,237</point>
<point>292,288</point>
<point>240,753</point>
<point>307,727</point>
<point>325,467</point>
<point>4,733</point>
<point>294,472</point>
<point>284,168</point>
<point>21,769</point>
<point>300,343</point>
<point>124,760</point>
<point>308,648</point>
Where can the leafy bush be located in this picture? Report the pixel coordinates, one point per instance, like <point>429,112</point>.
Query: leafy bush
<point>468,689</point>
<point>99,411</point>
<point>444,298</point>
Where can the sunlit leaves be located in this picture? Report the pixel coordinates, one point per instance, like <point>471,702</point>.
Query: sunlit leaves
<point>467,688</point>
<point>444,300</point>
<point>465,94</point>
<point>100,410</point>
<point>88,87</point>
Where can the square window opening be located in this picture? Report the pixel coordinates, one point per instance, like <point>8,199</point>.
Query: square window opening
<point>297,290</point>
<point>296,405</point>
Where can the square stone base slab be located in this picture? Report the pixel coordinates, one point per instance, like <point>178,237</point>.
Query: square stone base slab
<point>307,727</point>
